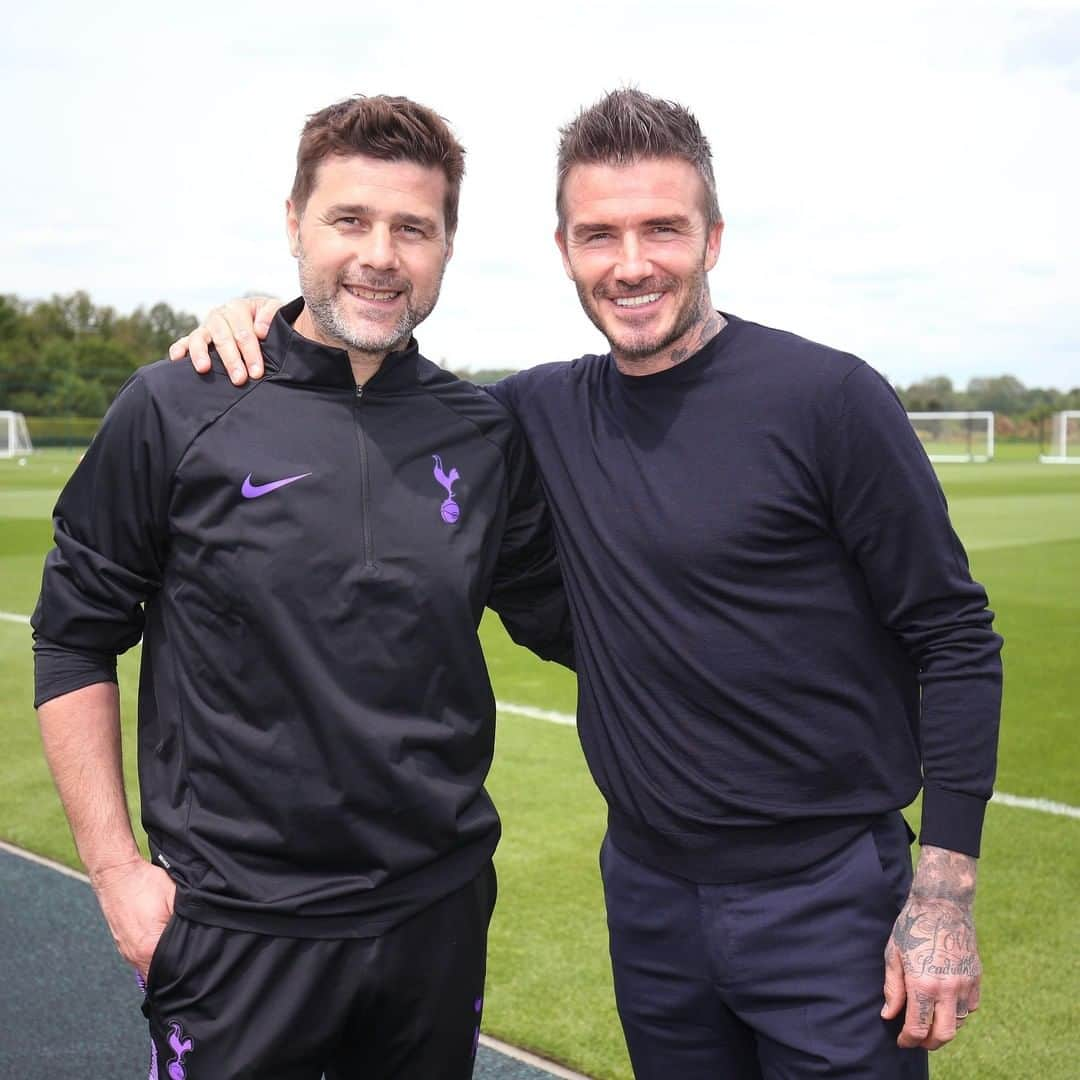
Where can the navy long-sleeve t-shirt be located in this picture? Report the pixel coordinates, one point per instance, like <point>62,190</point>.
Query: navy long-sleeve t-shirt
<point>777,636</point>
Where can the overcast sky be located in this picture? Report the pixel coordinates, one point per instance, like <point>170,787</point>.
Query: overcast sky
<point>900,179</point>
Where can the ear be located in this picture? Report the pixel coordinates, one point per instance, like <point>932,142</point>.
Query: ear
<point>292,227</point>
<point>712,244</point>
<point>560,240</point>
<point>449,250</point>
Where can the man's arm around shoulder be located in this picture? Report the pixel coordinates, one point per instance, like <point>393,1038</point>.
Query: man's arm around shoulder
<point>527,588</point>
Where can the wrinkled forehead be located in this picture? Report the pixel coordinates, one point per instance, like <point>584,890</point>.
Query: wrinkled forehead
<point>359,178</point>
<point>651,186</point>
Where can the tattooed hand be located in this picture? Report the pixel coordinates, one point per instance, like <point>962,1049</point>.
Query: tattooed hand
<point>932,959</point>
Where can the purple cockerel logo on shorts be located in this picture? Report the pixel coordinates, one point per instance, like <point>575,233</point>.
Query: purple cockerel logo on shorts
<point>449,511</point>
<point>181,1045</point>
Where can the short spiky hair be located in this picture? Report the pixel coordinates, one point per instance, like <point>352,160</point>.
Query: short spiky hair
<point>382,127</point>
<point>626,126</point>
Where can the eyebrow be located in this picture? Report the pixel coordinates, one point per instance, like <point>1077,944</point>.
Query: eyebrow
<point>585,227</point>
<point>680,221</point>
<point>418,220</point>
<point>347,210</point>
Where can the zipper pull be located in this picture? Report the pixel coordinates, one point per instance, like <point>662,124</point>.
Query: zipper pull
<point>359,389</point>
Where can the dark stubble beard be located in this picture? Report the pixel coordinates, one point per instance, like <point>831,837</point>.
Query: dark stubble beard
<point>324,304</point>
<point>695,310</point>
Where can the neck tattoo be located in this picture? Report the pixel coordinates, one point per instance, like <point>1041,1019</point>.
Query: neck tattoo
<point>711,325</point>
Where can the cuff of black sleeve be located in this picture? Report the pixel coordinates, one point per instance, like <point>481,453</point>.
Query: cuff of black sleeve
<point>59,671</point>
<point>952,820</point>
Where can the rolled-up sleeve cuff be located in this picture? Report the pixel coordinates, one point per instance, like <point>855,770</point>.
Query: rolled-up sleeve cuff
<point>952,820</point>
<point>58,670</point>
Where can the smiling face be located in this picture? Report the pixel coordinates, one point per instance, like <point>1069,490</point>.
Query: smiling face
<point>372,246</point>
<point>637,245</point>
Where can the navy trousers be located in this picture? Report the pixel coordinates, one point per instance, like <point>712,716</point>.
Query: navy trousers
<point>779,979</point>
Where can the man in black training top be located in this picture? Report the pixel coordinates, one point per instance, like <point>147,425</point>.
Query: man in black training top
<point>778,642</point>
<point>306,559</point>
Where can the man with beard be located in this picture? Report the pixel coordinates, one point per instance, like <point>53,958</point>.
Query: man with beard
<point>778,642</point>
<point>306,559</point>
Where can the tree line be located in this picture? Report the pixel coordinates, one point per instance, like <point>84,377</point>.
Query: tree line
<point>67,356</point>
<point>1003,394</point>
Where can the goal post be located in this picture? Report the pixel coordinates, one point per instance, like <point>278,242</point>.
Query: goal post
<point>1064,439</point>
<point>14,436</point>
<point>955,436</point>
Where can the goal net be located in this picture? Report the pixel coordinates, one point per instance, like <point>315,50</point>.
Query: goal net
<point>1064,440</point>
<point>14,438</point>
<point>955,436</point>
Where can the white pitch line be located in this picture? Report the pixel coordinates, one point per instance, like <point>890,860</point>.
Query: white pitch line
<point>537,714</point>
<point>1046,806</point>
<point>1003,798</point>
<point>528,1058</point>
<point>22,853</point>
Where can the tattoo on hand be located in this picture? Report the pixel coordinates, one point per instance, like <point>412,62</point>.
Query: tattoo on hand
<point>936,938</point>
<point>934,935</point>
<point>903,935</point>
<point>926,1008</point>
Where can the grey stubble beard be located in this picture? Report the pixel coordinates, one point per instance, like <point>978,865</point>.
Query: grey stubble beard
<point>326,312</point>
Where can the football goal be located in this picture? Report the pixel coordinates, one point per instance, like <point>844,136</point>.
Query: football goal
<point>1064,439</point>
<point>955,436</point>
<point>14,437</point>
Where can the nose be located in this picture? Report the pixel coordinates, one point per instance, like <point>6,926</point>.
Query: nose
<point>380,251</point>
<point>633,264</point>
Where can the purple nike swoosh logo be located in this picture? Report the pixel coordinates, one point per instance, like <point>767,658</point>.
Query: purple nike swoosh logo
<point>253,491</point>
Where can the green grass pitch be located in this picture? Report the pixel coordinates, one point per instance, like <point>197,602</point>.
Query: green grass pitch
<point>549,982</point>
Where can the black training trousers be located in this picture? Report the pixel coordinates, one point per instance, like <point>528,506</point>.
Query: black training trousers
<point>231,1005</point>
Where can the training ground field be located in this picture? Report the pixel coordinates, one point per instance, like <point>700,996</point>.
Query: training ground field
<point>549,983</point>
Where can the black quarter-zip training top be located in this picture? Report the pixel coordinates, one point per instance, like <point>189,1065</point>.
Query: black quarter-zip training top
<point>307,567</point>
